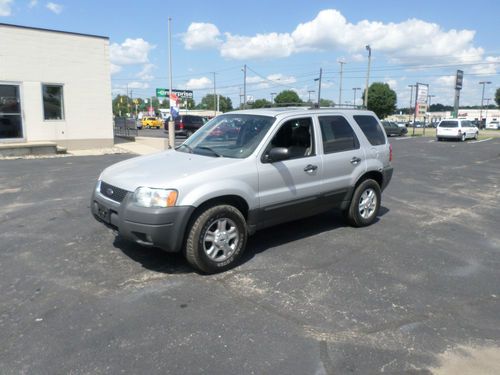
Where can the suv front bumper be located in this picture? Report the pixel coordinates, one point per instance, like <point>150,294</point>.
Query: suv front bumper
<point>158,227</point>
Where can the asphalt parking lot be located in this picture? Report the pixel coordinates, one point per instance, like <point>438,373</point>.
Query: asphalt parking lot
<point>418,292</point>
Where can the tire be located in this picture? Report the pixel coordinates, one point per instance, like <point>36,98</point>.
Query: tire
<point>216,239</point>
<point>365,204</point>
<point>475,136</point>
<point>463,137</point>
<point>189,133</point>
<point>438,139</point>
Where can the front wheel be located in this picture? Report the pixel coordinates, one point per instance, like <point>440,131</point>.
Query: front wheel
<point>463,137</point>
<point>475,136</point>
<point>365,204</point>
<point>216,239</point>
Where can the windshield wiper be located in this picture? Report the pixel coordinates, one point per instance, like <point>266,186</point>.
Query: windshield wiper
<point>209,149</point>
<point>188,147</point>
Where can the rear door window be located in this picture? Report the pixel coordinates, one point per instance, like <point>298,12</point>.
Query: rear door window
<point>371,128</point>
<point>337,134</point>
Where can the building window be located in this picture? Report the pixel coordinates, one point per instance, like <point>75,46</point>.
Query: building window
<point>53,102</point>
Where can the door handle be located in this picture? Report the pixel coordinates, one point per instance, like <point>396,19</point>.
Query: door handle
<point>310,168</point>
<point>355,160</point>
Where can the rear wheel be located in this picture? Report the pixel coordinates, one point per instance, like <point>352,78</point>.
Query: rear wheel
<point>463,137</point>
<point>189,133</point>
<point>365,204</point>
<point>216,239</point>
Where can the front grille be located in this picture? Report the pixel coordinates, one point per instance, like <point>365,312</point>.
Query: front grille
<point>113,192</point>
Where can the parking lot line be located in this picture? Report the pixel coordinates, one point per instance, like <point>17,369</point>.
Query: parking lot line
<point>482,140</point>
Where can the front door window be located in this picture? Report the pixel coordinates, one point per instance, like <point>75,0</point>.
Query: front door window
<point>10,112</point>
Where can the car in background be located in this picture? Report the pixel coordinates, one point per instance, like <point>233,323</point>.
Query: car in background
<point>151,122</point>
<point>187,124</point>
<point>392,129</point>
<point>456,129</point>
<point>493,125</point>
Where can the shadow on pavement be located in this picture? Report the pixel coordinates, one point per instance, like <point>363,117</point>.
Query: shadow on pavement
<point>157,260</point>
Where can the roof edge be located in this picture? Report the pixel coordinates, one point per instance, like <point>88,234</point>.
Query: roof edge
<point>53,31</point>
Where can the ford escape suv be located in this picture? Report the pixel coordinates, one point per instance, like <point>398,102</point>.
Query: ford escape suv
<point>209,194</point>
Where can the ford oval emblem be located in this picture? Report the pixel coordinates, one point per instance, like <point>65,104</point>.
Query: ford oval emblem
<point>109,191</point>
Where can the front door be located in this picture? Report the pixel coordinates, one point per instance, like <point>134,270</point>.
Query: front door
<point>11,123</point>
<point>290,189</point>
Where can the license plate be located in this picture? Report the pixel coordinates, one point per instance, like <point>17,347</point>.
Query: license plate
<point>103,213</point>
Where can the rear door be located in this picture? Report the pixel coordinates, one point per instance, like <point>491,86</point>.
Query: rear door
<point>343,157</point>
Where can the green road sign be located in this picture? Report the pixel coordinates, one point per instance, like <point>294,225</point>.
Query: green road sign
<point>184,94</point>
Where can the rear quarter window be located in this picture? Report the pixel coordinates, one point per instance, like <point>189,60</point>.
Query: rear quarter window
<point>371,129</point>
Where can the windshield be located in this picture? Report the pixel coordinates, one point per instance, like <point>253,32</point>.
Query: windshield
<point>231,136</point>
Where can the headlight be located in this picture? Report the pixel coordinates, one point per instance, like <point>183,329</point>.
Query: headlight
<point>148,197</point>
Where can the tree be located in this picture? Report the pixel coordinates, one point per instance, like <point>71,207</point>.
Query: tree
<point>287,98</point>
<point>207,102</point>
<point>497,97</point>
<point>326,103</point>
<point>261,103</point>
<point>381,99</point>
<point>122,105</point>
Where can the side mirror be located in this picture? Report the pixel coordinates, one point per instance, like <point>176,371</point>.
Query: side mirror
<point>278,154</point>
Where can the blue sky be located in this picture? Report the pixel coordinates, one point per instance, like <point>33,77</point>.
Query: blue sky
<point>285,43</point>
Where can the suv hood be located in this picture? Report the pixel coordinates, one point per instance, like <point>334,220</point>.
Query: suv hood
<point>160,170</point>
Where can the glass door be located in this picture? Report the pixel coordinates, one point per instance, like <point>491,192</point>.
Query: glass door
<point>11,124</point>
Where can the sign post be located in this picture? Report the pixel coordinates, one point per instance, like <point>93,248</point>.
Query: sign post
<point>420,102</point>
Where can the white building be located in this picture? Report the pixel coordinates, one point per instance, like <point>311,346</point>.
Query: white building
<point>54,86</point>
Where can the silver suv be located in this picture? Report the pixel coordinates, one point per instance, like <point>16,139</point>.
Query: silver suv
<point>244,171</point>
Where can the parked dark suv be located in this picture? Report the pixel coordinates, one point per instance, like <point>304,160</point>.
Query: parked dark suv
<point>187,124</point>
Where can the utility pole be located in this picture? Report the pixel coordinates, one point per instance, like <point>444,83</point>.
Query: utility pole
<point>429,97</point>
<point>368,48</point>
<point>355,89</point>
<point>341,62</point>
<point>171,123</point>
<point>215,98</point>
<point>411,101</point>
<point>245,86</point>
<point>482,101</point>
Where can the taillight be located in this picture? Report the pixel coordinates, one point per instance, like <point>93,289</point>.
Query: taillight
<point>390,152</point>
<point>181,125</point>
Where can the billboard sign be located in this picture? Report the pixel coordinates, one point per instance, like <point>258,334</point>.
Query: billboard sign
<point>181,94</point>
<point>421,98</point>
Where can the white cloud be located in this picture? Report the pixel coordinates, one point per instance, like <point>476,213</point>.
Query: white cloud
<point>198,83</point>
<point>201,35</point>
<point>489,67</point>
<point>416,39</point>
<point>130,52</point>
<point>270,80</point>
<point>145,73</point>
<point>260,46</point>
<point>447,81</point>
<point>33,3</point>
<point>5,8</point>
<point>115,68</point>
<point>55,8</point>
<point>393,84</point>
<point>138,85</point>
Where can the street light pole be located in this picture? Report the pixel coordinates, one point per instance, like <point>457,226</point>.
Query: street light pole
<point>355,89</point>
<point>171,123</point>
<point>411,100</point>
<point>368,48</point>
<point>319,85</point>
<point>482,101</point>
<point>215,98</point>
<point>486,114</point>
<point>341,62</point>
<point>245,86</point>
<point>310,92</point>
<point>272,98</point>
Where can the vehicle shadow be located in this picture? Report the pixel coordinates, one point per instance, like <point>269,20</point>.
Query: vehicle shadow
<point>295,230</point>
<point>153,258</point>
<point>157,260</point>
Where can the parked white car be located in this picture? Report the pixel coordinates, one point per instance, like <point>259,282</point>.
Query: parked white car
<point>456,129</point>
<point>493,125</point>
